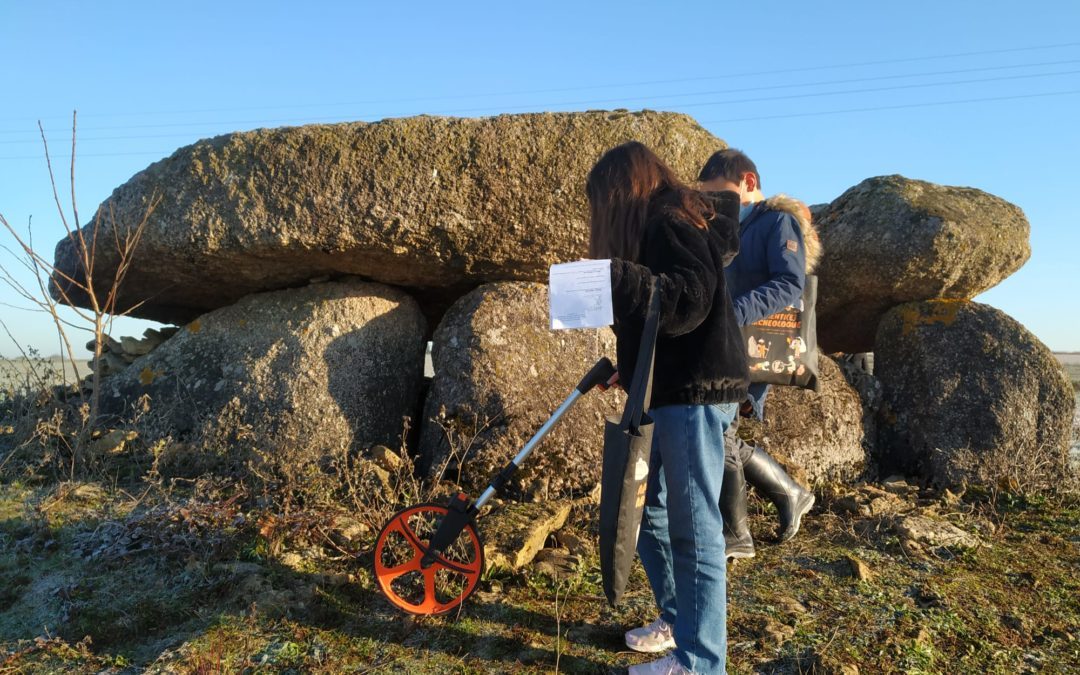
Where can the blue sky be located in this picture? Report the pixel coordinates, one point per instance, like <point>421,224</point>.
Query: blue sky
<point>147,78</point>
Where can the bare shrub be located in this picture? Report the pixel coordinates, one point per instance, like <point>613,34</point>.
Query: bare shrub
<point>100,293</point>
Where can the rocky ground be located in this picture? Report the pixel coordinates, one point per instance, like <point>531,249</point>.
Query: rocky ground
<point>131,572</point>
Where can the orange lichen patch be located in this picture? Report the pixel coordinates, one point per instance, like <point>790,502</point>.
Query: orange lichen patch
<point>195,326</point>
<point>941,312</point>
<point>148,375</point>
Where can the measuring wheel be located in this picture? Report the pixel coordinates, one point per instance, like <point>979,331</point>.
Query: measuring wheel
<point>419,580</point>
<point>429,557</point>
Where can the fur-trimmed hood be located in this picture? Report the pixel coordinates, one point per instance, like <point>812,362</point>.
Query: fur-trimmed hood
<point>801,213</point>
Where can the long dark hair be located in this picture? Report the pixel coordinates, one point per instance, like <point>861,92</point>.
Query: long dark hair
<point>628,185</point>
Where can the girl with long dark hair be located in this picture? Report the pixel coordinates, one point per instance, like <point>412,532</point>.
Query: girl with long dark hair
<point>657,230</point>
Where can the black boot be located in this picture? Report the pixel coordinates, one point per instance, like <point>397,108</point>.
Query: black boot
<point>740,543</point>
<point>769,478</point>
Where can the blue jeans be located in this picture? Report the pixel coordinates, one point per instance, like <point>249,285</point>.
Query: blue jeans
<point>681,543</point>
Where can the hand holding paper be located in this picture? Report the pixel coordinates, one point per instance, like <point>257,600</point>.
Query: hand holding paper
<point>580,294</point>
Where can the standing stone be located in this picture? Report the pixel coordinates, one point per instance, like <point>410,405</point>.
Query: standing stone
<point>891,240</point>
<point>500,373</point>
<point>819,436</point>
<point>298,375</point>
<point>435,204</point>
<point>972,397</point>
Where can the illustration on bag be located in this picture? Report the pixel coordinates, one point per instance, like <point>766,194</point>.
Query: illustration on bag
<point>782,348</point>
<point>777,326</point>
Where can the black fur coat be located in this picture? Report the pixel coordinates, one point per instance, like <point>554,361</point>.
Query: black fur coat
<point>700,355</point>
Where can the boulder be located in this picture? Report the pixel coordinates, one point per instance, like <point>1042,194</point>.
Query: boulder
<point>296,375</point>
<point>858,373</point>
<point>971,397</point>
<point>435,204</point>
<point>891,240</point>
<point>500,373</point>
<point>820,436</point>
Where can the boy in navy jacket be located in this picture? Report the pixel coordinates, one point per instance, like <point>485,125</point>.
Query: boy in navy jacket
<point>777,245</point>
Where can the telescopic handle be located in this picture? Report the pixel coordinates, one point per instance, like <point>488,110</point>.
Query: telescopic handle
<point>600,374</point>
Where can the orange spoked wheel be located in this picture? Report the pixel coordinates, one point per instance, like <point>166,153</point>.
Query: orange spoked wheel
<point>438,588</point>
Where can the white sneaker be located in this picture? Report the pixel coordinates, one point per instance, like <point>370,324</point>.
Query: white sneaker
<point>669,665</point>
<point>658,636</point>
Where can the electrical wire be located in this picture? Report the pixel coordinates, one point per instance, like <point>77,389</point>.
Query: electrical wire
<point>622,102</point>
<point>781,71</point>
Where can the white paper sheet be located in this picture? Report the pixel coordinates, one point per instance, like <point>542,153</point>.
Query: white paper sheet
<point>580,294</point>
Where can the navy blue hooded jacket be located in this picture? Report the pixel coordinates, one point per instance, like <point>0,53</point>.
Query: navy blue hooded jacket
<point>770,270</point>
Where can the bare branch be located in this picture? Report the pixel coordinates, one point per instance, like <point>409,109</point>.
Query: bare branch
<point>38,260</point>
<point>52,179</point>
<point>74,204</point>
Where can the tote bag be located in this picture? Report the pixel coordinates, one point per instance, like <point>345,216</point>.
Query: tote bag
<point>782,348</point>
<point>625,470</point>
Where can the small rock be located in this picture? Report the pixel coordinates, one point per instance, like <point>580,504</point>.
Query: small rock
<point>334,579</point>
<point>859,569</point>
<point>108,345</point>
<point>130,345</point>
<point>574,543</point>
<point>897,485</point>
<point>922,530</point>
<point>556,562</point>
<point>113,442</point>
<point>791,605</point>
<point>950,498</point>
<point>351,529</point>
<point>771,632</point>
<point>161,334</point>
<point>113,362</point>
<point>850,504</point>
<point>375,476</point>
<point>881,506</point>
<point>386,458</point>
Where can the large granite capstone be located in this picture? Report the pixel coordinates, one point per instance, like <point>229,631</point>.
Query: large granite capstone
<point>438,205</point>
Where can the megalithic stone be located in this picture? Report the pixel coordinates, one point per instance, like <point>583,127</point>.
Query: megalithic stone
<point>435,204</point>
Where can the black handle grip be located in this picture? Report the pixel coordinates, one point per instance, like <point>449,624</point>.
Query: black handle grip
<point>600,374</point>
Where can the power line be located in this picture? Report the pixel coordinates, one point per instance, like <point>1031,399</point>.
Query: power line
<point>726,76</point>
<point>891,107</point>
<point>93,154</point>
<point>877,89</point>
<point>697,104</point>
<point>163,153</point>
